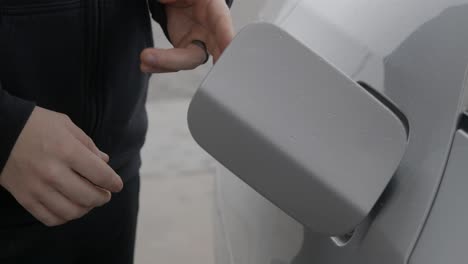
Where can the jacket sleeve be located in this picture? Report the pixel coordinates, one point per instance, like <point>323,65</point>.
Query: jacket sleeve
<point>14,113</point>
<point>158,12</point>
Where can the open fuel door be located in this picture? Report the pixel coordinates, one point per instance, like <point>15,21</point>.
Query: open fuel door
<point>297,130</point>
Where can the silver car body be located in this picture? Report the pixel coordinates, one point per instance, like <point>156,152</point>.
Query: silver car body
<point>416,54</point>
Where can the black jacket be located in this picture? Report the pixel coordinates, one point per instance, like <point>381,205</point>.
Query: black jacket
<point>80,58</point>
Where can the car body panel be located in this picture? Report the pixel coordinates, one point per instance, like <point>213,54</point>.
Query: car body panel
<point>416,54</point>
<point>445,234</point>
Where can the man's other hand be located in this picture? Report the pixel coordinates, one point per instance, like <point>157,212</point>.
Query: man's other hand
<point>56,172</point>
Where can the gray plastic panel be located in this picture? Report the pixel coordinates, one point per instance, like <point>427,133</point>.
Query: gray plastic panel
<point>297,130</point>
<point>444,237</point>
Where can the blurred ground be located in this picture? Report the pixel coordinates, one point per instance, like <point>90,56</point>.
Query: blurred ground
<point>175,224</point>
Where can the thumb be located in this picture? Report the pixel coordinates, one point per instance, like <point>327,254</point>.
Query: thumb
<point>172,60</point>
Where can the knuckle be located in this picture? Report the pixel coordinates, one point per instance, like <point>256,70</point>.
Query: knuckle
<point>48,179</point>
<point>49,174</point>
<point>65,118</point>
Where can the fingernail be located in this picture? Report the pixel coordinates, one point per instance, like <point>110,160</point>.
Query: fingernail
<point>150,59</point>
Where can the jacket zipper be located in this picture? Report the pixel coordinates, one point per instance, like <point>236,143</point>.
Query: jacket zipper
<point>93,83</point>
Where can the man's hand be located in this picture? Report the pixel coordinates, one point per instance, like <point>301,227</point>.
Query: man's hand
<point>56,172</point>
<point>208,21</point>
